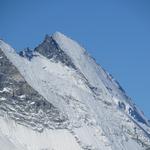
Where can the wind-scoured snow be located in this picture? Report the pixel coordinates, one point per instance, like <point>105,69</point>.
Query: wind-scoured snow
<point>100,114</point>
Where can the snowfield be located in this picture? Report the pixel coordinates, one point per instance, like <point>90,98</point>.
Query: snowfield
<point>17,137</point>
<point>100,114</point>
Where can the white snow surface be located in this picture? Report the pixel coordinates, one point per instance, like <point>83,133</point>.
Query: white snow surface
<point>17,137</point>
<point>96,123</point>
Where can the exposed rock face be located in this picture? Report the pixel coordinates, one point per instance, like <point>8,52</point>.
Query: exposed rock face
<point>22,103</point>
<point>50,49</point>
<point>28,53</point>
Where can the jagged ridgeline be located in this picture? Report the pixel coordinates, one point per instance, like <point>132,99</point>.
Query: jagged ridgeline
<point>61,99</point>
<point>50,49</point>
<point>22,103</point>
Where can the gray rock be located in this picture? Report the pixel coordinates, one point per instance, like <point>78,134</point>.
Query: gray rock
<point>19,101</point>
<point>50,49</point>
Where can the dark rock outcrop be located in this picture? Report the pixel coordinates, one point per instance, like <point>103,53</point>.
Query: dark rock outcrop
<point>50,49</point>
<point>22,103</point>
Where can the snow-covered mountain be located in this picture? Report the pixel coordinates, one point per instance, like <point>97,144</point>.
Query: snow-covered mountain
<point>56,97</point>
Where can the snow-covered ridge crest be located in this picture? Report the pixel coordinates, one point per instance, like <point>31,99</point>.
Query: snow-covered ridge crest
<point>94,73</point>
<point>4,45</point>
<point>82,60</point>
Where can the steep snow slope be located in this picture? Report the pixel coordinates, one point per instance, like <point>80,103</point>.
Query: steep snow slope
<point>96,75</point>
<point>100,115</point>
<point>22,103</point>
<point>17,137</point>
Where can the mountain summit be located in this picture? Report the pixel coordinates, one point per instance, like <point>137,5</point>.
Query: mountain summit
<point>56,97</point>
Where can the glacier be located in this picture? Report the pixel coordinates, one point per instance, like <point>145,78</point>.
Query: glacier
<point>56,97</point>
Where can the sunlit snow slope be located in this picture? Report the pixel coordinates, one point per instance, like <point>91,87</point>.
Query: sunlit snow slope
<point>76,104</point>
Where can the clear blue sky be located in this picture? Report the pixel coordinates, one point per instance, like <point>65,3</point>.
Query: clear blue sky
<point>115,32</point>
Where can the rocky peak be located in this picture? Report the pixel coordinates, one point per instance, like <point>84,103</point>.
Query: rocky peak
<point>27,53</point>
<point>50,49</point>
<point>81,99</point>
